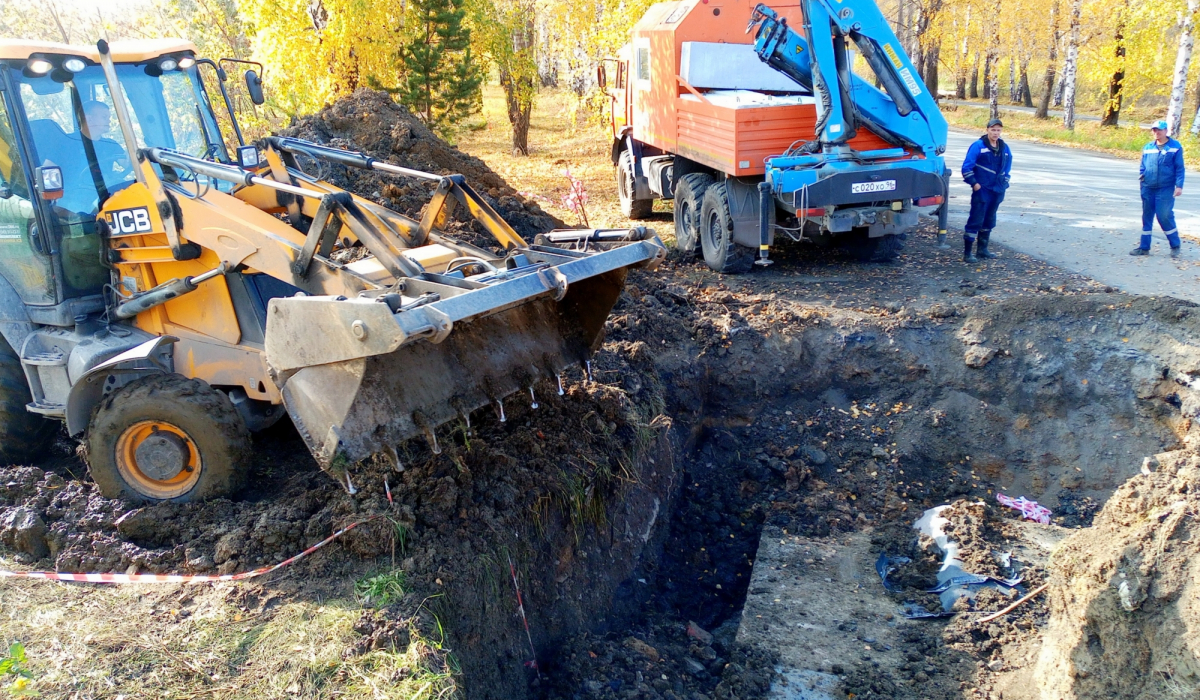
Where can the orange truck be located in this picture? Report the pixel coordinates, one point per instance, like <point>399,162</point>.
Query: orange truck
<point>756,133</point>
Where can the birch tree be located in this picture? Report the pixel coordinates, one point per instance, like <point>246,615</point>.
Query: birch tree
<point>1183,61</point>
<point>994,60</point>
<point>1070,67</point>
<point>1116,83</point>
<point>1043,110</point>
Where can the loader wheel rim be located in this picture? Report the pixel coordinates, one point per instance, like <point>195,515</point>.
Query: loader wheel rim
<point>157,459</point>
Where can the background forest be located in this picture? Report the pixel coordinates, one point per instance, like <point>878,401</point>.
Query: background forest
<point>1118,60</point>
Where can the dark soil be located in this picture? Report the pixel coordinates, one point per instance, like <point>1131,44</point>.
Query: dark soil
<point>372,122</point>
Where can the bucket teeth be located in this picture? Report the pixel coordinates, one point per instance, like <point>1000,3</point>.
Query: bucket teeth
<point>587,370</point>
<point>500,411</point>
<point>350,485</point>
<point>393,456</point>
<point>426,427</point>
<point>463,414</point>
<point>532,399</point>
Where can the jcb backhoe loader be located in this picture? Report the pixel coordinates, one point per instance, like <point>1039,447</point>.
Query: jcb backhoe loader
<point>165,298</point>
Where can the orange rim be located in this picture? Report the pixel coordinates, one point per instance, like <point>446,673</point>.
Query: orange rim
<point>142,482</point>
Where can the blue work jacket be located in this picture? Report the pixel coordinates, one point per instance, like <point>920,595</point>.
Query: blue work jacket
<point>1162,166</point>
<point>987,168</point>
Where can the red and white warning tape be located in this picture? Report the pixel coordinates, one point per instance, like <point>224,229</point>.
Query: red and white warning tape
<point>179,578</point>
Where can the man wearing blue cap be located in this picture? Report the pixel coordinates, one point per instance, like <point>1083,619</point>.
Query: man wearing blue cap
<point>985,169</point>
<point>1162,181</point>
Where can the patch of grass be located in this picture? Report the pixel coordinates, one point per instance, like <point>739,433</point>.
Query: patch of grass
<point>381,589</point>
<point>1125,141</point>
<point>144,642</point>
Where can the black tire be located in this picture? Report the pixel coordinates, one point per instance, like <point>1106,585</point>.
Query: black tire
<point>630,207</point>
<point>201,418</point>
<point>866,249</point>
<point>24,436</point>
<point>689,199</point>
<point>716,234</point>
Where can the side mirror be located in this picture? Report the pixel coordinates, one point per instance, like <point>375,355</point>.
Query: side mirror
<point>254,87</point>
<point>601,76</point>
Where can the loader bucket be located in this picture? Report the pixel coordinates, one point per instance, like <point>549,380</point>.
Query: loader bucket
<point>359,376</point>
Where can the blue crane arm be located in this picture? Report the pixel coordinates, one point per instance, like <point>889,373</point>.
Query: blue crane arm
<point>903,113</point>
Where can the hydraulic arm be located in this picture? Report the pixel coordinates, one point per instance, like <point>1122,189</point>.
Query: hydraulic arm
<point>903,113</point>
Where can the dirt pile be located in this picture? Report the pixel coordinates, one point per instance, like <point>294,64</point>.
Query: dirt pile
<point>1124,599</point>
<point>372,122</point>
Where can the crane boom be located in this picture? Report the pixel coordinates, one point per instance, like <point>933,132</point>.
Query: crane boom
<point>903,112</point>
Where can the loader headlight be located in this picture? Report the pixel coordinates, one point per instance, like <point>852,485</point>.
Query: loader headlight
<point>168,64</point>
<point>50,180</point>
<point>74,65</point>
<point>247,157</point>
<point>39,66</point>
<point>186,62</point>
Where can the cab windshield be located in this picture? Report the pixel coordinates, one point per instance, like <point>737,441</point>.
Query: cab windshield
<point>74,127</point>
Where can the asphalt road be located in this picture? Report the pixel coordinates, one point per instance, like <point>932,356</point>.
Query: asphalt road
<point>1081,211</point>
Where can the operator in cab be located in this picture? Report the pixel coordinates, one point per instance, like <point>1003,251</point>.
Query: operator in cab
<point>986,170</point>
<point>112,161</point>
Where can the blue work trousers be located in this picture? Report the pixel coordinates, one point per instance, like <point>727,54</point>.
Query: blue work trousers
<point>984,204</point>
<point>1159,202</point>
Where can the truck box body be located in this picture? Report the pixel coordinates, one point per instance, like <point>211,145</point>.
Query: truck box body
<point>725,130</point>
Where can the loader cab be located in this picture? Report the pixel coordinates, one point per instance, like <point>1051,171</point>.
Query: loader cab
<point>57,122</point>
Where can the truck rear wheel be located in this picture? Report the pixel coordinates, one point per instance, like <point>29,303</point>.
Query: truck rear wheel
<point>689,199</point>
<point>866,249</point>
<point>630,207</point>
<point>23,435</point>
<point>716,234</point>
<point>167,438</point>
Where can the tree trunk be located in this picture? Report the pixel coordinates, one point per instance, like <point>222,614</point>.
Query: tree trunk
<point>1183,60</point>
<point>1070,67</point>
<point>1116,83</point>
<point>1043,110</point>
<point>931,68</point>
<point>975,78</point>
<point>960,60</point>
<point>994,61</point>
<point>1196,119</point>
<point>988,69</point>
<point>1025,94</point>
<point>1058,89</point>
<point>519,108</point>
<point>1012,80</point>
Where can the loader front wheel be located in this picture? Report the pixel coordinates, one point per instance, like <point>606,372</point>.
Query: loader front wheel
<point>167,438</point>
<point>716,234</point>
<point>626,190</point>
<point>689,199</point>
<point>23,435</point>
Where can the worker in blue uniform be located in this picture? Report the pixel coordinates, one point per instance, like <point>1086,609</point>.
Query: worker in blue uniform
<point>986,170</point>
<point>1161,176</point>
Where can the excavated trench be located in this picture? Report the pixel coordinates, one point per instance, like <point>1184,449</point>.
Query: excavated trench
<point>634,506</point>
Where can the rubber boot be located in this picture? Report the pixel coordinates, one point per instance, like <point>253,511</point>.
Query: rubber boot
<point>968,241</point>
<point>941,241</point>
<point>984,238</point>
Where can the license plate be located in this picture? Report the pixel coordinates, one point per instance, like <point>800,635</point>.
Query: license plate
<point>865,187</point>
